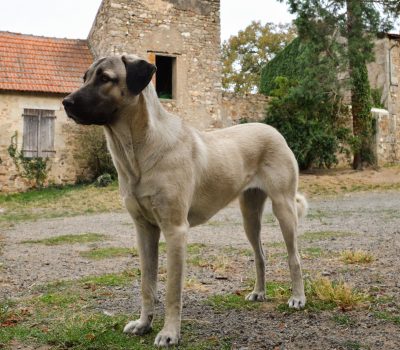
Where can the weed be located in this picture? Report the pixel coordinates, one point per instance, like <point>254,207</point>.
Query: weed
<point>108,252</point>
<point>356,257</point>
<point>69,239</point>
<point>337,294</point>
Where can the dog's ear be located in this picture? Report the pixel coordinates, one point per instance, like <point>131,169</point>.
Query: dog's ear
<point>138,73</point>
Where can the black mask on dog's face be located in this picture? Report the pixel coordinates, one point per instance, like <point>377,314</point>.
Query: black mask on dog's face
<point>107,83</point>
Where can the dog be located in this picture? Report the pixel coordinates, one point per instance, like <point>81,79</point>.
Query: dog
<point>172,177</point>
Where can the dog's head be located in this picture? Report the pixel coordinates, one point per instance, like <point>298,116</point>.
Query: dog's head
<point>109,84</point>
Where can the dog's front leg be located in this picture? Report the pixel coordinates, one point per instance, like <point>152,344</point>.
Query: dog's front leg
<point>175,237</point>
<point>147,239</point>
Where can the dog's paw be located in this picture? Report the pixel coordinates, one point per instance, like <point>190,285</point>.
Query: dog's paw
<point>297,302</point>
<point>137,327</point>
<point>167,338</point>
<point>256,296</point>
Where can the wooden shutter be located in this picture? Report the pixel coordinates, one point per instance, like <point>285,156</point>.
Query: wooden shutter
<point>46,134</point>
<point>30,137</point>
<point>38,138</point>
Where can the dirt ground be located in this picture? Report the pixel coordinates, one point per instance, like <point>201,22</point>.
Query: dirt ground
<point>368,220</point>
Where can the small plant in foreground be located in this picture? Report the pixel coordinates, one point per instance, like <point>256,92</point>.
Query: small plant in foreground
<point>338,294</point>
<point>356,257</point>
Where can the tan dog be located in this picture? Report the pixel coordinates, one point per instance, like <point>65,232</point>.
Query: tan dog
<point>173,177</point>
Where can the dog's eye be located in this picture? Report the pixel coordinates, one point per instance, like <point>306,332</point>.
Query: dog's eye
<point>105,78</point>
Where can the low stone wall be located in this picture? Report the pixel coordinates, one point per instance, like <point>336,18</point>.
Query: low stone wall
<point>236,107</point>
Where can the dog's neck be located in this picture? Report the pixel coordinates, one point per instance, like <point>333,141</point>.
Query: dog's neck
<point>142,133</point>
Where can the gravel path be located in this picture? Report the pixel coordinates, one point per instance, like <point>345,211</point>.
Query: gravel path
<point>371,221</point>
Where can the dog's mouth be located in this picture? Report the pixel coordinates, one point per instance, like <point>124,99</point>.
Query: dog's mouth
<point>98,120</point>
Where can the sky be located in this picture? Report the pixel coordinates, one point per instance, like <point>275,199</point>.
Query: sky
<point>73,18</point>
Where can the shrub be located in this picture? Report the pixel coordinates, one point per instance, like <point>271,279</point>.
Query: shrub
<point>307,118</point>
<point>92,150</point>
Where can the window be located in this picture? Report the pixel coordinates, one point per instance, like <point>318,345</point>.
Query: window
<point>165,76</point>
<point>38,138</point>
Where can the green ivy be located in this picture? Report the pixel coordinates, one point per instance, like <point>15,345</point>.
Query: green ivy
<point>34,169</point>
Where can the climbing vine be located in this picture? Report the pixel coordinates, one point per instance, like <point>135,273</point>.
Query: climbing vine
<point>33,169</point>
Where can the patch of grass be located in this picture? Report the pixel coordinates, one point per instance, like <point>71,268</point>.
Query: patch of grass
<point>356,257</point>
<point>237,251</point>
<point>312,252</point>
<point>338,294</point>
<point>343,320</point>
<point>231,302</point>
<point>195,248</point>
<point>69,239</point>
<point>108,253</point>
<point>276,245</point>
<point>111,279</point>
<point>324,235</point>
<point>58,299</point>
<point>387,316</point>
<point>278,291</point>
<point>55,202</point>
<point>89,331</point>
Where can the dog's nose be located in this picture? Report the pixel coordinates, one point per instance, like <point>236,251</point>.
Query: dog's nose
<point>68,102</point>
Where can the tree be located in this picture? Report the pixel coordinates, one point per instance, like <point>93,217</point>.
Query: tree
<point>306,105</point>
<point>358,22</point>
<point>244,54</point>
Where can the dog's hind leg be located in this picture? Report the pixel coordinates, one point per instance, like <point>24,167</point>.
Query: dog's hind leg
<point>252,205</point>
<point>148,237</point>
<point>284,208</point>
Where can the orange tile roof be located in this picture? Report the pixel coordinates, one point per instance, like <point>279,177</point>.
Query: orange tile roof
<point>40,64</point>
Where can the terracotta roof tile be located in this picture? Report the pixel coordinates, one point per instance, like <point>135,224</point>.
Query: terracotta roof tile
<point>41,64</point>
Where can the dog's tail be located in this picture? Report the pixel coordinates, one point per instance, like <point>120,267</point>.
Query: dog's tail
<point>302,205</point>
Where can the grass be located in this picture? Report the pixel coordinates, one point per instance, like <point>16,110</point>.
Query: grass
<point>53,202</point>
<point>324,235</point>
<point>108,253</point>
<point>111,279</point>
<point>343,320</point>
<point>59,328</point>
<point>322,294</point>
<point>69,239</point>
<point>222,302</point>
<point>356,257</point>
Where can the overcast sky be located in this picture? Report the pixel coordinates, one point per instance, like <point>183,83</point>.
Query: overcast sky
<point>74,18</point>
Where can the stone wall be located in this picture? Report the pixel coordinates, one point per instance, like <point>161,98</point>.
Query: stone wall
<point>186,30</point>
<point>384,74</point>
<point>235,107</point>
<point>64,168</point>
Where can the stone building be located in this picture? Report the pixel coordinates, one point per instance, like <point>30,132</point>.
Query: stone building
<point>384,74</point>
<point>181,37</point>
<point>35,74</point>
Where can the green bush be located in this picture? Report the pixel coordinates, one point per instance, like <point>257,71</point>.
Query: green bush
<point>307,120</point>
<point>93,152</point>
<point>103,180</point>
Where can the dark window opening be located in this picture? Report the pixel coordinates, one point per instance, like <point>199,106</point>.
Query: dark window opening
<point>165,76</point>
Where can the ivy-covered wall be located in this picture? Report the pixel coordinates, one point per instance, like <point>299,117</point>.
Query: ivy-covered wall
<point>284,64</point>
